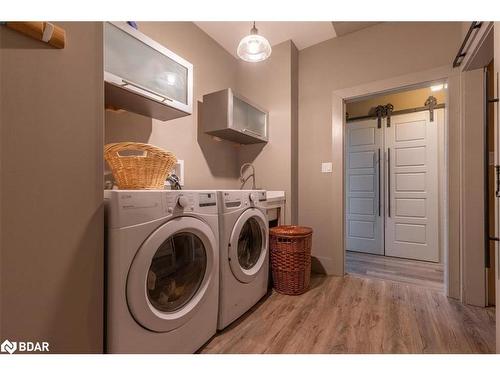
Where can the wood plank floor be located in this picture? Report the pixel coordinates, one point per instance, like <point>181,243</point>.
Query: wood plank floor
<point>425,274</point>
<point>354,314</point>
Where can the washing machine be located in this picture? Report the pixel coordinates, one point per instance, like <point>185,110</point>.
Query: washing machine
<point>244,256</point>
<point>162,265</point>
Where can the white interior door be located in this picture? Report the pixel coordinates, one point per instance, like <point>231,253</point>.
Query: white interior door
<point>364,205</point>
<point>411,229</point>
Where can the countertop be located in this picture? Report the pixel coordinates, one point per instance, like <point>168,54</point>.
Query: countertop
<point>275,196</point>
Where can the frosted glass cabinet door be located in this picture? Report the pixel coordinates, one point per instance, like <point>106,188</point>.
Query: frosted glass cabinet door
<point>138,63</point>
<point>239,114</point>
<point>249,119</point>
<point>257,121</point>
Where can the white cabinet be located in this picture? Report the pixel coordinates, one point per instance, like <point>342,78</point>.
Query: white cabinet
<point>143,76</point>
<point>228,115</point>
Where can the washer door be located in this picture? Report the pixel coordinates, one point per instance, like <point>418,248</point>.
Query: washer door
<point>170,274</point>
<point>248,245</point>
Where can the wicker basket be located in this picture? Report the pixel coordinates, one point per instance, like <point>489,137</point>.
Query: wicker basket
<point>290,249</point>
<point>146,171</point>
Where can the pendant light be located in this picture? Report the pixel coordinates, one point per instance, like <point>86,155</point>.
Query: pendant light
<point>254,47</point>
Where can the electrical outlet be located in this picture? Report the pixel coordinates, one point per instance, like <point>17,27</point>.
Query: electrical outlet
<point>326,167</point>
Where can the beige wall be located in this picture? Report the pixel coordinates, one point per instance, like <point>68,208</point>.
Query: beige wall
<point>400,100</point>
<point>272,85</point>
<point>51,189</point>
<point>208,163</point>
<point>380,52</point>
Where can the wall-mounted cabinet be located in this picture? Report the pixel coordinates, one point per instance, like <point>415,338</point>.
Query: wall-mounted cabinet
<point>144,77</point>
<point>232,117</point>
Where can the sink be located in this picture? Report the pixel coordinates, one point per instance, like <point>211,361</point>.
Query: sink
<point>275,195</point>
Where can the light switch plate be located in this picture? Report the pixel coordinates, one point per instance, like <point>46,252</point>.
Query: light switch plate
<point>326,167</point>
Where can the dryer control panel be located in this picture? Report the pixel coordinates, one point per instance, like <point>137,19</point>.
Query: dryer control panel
<point>236,199</point>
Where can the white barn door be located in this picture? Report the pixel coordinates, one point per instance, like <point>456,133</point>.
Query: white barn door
<point>364,182</point>
<point>412,224</point>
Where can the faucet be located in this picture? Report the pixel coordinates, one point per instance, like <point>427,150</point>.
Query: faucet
<point>174,182</point>
<point>243,180</point>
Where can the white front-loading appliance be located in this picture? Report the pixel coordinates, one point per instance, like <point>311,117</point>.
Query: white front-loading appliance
<point>244,256</point>
<point>162,270</point>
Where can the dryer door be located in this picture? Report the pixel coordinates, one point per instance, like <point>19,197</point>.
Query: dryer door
<point>248,245</point>
<point>170,274</point>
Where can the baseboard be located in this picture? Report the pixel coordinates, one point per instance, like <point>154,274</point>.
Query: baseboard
<point>327,266</point>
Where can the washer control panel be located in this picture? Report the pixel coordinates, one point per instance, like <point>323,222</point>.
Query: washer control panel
<point>187,201</point>
<point>130,207</point>
<point>208,199</point>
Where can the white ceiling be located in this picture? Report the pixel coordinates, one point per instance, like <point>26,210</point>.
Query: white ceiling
<point>304,34</point>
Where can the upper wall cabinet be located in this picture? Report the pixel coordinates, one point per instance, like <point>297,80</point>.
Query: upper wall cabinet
<point>144,77</point>
<point>230,116</point>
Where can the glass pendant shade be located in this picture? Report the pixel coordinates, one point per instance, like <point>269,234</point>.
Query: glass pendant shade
<point>254,47</point>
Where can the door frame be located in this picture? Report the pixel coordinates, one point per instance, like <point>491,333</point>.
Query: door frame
<point>496,125</point>
<point>452,146</point>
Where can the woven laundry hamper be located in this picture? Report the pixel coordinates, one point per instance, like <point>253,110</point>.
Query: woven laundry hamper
<point>290,250</point>
<point>145,171</point>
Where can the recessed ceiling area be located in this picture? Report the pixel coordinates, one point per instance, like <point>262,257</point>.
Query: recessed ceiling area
<point>344,28</point>
<point>303,34</point>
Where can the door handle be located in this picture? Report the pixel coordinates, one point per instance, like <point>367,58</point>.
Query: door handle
<point>379,185</point>
<point>389,182</point>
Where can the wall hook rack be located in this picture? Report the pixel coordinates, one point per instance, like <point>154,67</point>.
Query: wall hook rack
<point>43,31</point>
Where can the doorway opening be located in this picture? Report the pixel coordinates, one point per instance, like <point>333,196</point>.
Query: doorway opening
<point>395,185</point>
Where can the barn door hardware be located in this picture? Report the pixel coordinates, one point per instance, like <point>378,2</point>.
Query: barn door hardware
<point>388,112</point>
<point>380,112</point>
<point>461,54</point>
<point>431,104</point>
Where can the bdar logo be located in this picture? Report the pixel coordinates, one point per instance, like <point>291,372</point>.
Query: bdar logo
<point>8,347</point>
<point>24,346</point>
